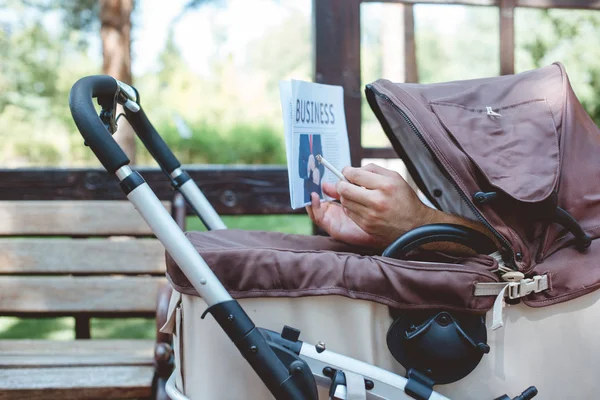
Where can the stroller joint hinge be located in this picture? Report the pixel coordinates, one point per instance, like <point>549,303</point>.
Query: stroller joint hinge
<point>419,386</point>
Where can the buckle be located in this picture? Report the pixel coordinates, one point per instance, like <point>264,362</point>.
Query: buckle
<point>524,287</point>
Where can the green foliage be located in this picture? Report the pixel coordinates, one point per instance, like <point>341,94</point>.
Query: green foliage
<point>294,224</point>
<point>40,154</point>
<point>213,144</point>
<point>470,52</point>
<point>567,36</point>
<point>31,328</point>
<point>123,328</point>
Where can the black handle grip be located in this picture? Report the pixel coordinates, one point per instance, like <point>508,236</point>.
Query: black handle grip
<point>152,140</point>
<point>90,126</point>
<point>412,240</point>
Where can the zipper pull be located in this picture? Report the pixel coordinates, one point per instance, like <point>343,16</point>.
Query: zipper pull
<point>492,112</point>
<point>483,198</point>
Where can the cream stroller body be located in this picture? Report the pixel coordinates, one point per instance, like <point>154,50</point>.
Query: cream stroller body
<point>517,153</point>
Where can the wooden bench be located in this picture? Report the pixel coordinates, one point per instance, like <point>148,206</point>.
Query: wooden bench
<point>80,259</point>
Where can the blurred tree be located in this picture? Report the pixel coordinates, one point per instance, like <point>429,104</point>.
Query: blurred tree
<point>567,36</point>
<point>115,30</point>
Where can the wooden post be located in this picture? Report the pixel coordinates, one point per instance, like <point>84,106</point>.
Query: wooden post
<point>82,327</point>
<point>507,37</point>
<point>410,48</point>
<point>178,209</point>
<point>337,59</point>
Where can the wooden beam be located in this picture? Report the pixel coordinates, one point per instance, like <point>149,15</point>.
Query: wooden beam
<point>77,295</point>
<point>337,59</point>
<point>81,256</point>
<point>72,218</point>
<point>571,4</point>
<point>507,37</point>
<point>232,190</point>
<point>411,70</point>
<point>70,383</point>
<point>27,353</point>
<point>441,2</point>
<point>379,152</point>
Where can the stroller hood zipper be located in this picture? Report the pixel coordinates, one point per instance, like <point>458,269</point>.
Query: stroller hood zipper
<point>370,89</point>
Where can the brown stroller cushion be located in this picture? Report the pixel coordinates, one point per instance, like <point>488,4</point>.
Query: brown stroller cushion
<point>273,264</point>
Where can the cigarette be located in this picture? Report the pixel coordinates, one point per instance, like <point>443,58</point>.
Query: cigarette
<point>330,167</point>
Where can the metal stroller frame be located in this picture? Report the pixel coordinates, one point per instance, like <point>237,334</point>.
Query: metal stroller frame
<point>290,369</point>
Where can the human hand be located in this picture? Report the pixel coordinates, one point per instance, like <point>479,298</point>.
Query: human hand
<point>380,202</point>
<point>332,218</point>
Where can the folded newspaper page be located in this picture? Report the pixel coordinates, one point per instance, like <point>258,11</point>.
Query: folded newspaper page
<point>315,125</point>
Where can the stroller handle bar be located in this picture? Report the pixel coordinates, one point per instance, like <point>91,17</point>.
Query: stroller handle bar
<point>97,130</point>
<point>93,129</point>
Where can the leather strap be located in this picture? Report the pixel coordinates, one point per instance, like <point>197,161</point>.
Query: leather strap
<point>355,386</point>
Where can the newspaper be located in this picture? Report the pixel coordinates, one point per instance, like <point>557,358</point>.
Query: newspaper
<point>314,124</point>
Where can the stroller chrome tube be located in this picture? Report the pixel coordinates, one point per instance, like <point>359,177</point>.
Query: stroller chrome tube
<point>201,206</point>
<point>180,180</point>
<point>386,385</point>
<point>173,239</point>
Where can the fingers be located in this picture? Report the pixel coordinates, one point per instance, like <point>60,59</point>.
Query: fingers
<point>354,206</point>
<point>362,177</point>
<point>317,209</point>
<point>330,190</point>
<point>355,193</point>
<point>376,169</point>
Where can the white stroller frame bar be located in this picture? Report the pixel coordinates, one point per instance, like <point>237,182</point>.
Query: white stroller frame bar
<point>380,384</point>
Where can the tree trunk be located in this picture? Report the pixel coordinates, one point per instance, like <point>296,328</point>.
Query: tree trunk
<point>115,30</point>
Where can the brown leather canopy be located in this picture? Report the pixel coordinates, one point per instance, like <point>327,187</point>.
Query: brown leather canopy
<point>524,137</point>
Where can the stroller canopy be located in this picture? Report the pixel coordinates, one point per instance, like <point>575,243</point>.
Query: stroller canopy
<point>508,151</point>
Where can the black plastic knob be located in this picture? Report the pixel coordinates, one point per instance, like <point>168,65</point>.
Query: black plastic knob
<point>289,333</point>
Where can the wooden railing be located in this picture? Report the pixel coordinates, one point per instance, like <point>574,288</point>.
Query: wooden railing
<point>232,190</point>
<point>337,49</point>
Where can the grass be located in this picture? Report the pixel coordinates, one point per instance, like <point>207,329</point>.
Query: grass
<point>139,328</point>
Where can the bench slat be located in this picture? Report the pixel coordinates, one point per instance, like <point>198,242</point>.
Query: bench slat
<point>69,256</point>
<point>84,218</point>
<point>76,382</point>
<point>68,294</point>
<point>50,353</point>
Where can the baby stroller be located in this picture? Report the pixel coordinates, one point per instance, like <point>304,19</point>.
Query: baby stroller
<point>517,153</point>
